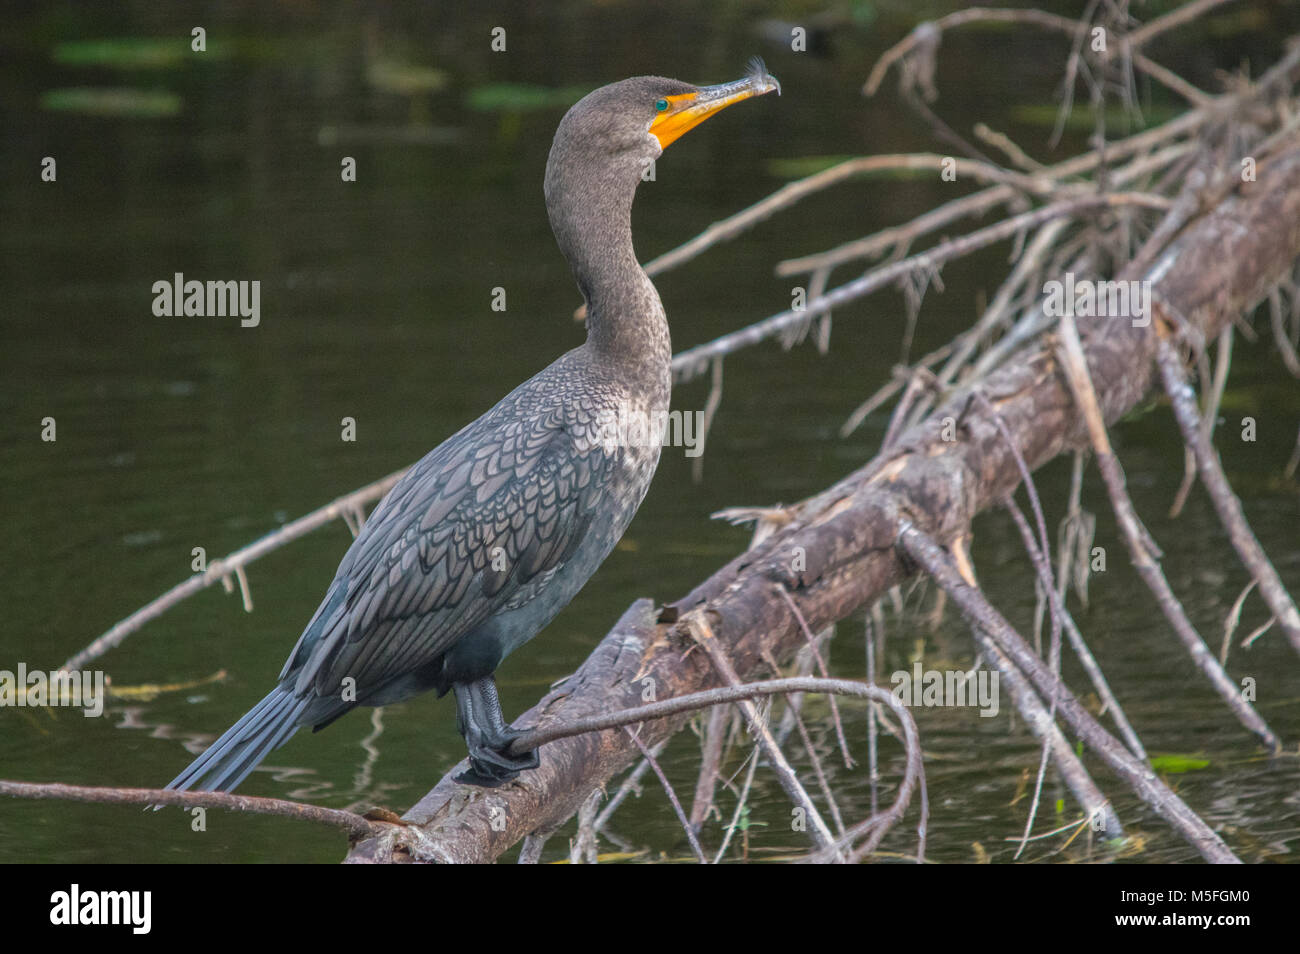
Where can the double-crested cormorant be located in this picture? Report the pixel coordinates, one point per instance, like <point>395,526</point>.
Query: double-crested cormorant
<point>483,541</point>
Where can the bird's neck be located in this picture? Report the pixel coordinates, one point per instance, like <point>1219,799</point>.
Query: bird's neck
<point>591,216</point>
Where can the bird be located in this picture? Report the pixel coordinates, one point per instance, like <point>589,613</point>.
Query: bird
<point>487,537</point>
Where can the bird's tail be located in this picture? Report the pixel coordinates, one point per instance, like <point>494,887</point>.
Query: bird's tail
<point>227,761</point>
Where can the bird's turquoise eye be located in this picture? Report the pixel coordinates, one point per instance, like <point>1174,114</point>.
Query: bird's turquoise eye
<point>661,105</point>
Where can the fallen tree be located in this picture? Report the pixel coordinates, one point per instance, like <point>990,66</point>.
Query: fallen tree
<point>1220,249</point>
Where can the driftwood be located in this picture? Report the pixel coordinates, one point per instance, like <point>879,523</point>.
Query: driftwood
<point>838,551</point>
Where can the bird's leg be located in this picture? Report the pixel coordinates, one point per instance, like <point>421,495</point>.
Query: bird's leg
<point>479,719</point>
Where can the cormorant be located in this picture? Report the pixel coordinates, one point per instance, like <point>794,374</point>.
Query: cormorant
<point>494,531</point>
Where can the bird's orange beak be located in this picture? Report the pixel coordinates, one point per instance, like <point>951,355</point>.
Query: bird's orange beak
<point>687,110</point>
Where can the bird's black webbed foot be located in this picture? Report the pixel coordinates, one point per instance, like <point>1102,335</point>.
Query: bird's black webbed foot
<point>478,716</point>
<point>491,765</point>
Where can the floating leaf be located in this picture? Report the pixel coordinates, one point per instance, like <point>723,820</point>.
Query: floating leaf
<point>502,97</point>
<point>1177,764</point>
<point>113,101</point>
<point>393,76</point>
<point>133,53</point>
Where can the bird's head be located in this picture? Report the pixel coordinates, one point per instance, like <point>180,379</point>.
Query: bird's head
<point>620,128</point>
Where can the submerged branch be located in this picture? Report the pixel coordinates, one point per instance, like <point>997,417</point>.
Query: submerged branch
<point>355,825</point>
<point>349,505</point>
<point>1225,501</point>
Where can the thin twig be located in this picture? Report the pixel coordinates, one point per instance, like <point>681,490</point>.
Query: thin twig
<point>932,558</point>
<point>1209,417</point>
<point>1225,501</point>
<point>977,203</point>
<point>816,826</point>
<point>1174,18</point>
<point>816,762</point>
<point>710,759</point>
<point>672,795</point>
<point>1142,548</point>
<point>741,800</point>
<point>691,362</point>
<point>1077,642</point>
<point>822,668</point>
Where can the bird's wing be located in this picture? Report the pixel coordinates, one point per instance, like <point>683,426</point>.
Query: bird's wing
<point>480,524</point>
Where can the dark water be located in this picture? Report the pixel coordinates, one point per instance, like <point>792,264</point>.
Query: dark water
<point>180,433</point>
